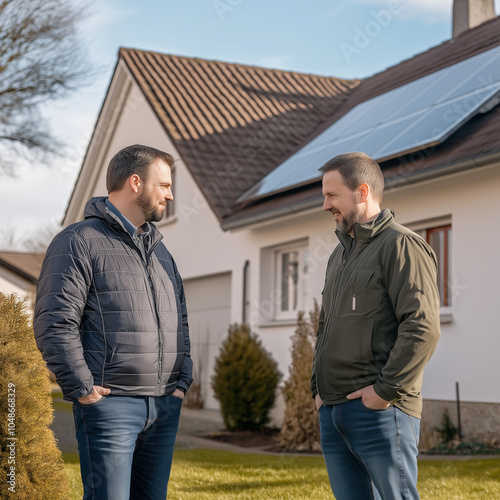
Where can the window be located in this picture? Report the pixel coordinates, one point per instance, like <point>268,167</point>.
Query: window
<point>290,264</point>
<point>439,238</point>
<point>283,274</point>
<point>438,234</point>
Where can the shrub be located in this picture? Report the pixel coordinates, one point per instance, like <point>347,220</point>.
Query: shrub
<point>30,460</point>
<point>447,431</point>
<point>245,380</point>
<point>300,430</point>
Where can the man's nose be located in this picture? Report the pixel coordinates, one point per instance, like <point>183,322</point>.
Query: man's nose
<point>168,195</point>
<point>327,206</point>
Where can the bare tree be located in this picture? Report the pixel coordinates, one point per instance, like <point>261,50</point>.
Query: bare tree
<point>41,58</point>
<point>38,241</point>
<point>13,239</point>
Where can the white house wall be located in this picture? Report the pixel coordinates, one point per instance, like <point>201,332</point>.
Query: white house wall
<point>12,283</point>
<point>468,350</point>
<point>470,342</point>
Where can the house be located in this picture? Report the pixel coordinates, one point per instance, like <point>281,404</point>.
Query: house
<point>19,273</point>
<point>246,226</point>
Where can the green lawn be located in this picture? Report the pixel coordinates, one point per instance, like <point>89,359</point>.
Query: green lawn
<point>217,475</point>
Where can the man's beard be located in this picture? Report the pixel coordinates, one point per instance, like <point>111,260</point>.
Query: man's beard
<point>347,221</point>
<point>151,211</point>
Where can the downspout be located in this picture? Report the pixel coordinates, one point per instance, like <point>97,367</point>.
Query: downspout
<point>244,294</point>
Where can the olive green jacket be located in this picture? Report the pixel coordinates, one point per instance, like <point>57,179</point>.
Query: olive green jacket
<point>379,321</point>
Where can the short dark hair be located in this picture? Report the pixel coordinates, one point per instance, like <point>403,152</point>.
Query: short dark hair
<point>131,160</point>
<point>358,168</point>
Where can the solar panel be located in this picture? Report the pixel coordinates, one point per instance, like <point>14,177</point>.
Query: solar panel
<point>417,115</point>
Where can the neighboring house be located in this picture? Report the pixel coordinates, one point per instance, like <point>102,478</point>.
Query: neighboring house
<point>247,228</point>
<point>19,273</point>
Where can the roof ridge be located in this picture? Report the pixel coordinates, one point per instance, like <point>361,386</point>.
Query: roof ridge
<point>228,63</point>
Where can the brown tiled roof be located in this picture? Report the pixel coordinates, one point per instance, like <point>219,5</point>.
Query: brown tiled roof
<point>28,265</point>
<point>478,137</point>
<point>233,124</point>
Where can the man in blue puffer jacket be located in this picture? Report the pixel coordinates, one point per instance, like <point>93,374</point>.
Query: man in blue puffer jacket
<point>111,323</point>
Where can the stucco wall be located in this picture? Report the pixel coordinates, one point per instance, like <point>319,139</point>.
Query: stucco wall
<point>470,343</point>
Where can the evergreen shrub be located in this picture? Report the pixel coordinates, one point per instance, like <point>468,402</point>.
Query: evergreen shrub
<point>31,465</point>
<point>245,380</point>
<point>300,429</point>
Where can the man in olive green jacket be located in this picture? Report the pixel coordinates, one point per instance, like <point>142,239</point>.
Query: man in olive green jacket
<point>378,327</point>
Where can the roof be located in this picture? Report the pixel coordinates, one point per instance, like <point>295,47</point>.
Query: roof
<point>27,265</point>
<point>232,124</point>
<point>477,138</point>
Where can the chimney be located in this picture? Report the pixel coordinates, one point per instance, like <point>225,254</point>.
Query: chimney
<point>471,13</point>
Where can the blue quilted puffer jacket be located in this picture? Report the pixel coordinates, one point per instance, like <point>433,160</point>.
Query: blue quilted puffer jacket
<point>106,316</point>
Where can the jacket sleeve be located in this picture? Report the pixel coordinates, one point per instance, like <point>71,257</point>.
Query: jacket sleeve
<point>186,373</point>
<point>411,282</point>
<point>321,322</point>
<point>62,291</point>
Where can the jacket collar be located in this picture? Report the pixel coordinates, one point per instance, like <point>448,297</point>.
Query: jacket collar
<point>365,232</point>
<point>97,207</point>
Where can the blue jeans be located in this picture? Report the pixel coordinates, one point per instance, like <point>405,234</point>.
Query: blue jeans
<point>126,446</point>
<point>370,454</point>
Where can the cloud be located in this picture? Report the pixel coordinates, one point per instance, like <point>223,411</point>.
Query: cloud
<point>428,10</point>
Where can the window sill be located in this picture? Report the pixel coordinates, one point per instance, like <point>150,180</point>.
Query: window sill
<point>445,316</point>
<point>279,322</point>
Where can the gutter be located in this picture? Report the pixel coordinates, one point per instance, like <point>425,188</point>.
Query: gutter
<point>32,279</point>
<point>272,214</point>
<point>397,182</point>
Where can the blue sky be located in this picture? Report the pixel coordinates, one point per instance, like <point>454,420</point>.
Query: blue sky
<point>344,38</point>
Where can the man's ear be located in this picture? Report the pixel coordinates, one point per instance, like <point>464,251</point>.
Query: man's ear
<point>134,182</point>
<point>364,191</point>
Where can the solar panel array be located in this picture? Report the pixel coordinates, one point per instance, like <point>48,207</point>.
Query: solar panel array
<point>417,115</point>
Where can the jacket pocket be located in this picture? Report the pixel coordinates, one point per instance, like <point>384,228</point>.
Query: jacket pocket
<point>350,342</point>
<point>360,296</point>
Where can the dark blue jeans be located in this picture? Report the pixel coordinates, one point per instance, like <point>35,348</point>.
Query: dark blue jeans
<point>126,446</point>
<point>370,454</point>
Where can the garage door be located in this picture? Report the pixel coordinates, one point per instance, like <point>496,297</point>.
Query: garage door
<point>209,313</point>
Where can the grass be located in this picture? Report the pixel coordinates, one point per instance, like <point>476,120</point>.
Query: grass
<point>220,475</point>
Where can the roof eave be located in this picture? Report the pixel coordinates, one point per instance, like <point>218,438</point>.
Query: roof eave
<point>32,279</point>
<point>394,183</point>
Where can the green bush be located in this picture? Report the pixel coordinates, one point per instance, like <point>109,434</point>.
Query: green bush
<point>245,380</point>
<point>30,463</point>
<point>447,431</point>
<point>300,430</point>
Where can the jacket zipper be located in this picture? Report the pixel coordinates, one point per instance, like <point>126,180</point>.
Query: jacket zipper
<point>149,273</point>
<point>335,299</point>
<point>149,270</point>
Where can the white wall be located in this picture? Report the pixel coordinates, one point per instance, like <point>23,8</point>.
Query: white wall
<point>468,350</point>
<point>470,344</point>
<point>12,283</point>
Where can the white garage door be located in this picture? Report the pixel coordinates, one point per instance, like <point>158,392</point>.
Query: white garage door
<point>208,303</point>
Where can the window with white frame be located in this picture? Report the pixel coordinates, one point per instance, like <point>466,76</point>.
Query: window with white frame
<point>290,269</point>
<point>438,233</point>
